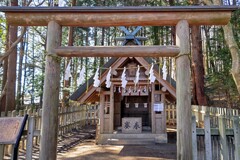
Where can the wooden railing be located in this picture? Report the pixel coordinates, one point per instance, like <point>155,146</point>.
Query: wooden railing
<point>171,115</point>
<point>69,118</point>
<point>219,140</point>
<point>215,132</point>
<point>200,112</point>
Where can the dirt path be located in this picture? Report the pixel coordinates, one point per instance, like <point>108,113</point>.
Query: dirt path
<point>89,151</point>
<point>80,145</point>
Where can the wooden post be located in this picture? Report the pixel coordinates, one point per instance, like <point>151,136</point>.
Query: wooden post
<point>30,133</point>
<point>223,138</point>
<point>101,113</point>
<point>194,138</point>
<point>207,137</point>
<point>184,112</point>
<point>236,136</point>
<point>163,98</point>
<point>1,151</point>
<point>152,109</point>
<point>111,118</point>
<point>49,129</point>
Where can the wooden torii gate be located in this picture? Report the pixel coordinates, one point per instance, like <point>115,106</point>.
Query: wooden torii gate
<point>54,18</point>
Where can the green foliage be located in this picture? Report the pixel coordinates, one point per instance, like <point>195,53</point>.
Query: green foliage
<point>220,83</point>
<point>235,20</point>
<point>3,32</point>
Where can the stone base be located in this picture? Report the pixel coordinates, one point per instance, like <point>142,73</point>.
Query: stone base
<point>161,138</point>
<point>132,125</point>
<point>131,139</point>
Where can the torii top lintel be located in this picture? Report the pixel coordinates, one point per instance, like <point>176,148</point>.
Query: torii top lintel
<point>118,16</point>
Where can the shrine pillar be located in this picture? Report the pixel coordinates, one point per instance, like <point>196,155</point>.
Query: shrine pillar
<point>184,113</point>
<point>111,118</point>
<point>49,130</point>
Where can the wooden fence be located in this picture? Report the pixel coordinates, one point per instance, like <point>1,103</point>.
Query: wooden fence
<point>215,132</point>
<point>200,112</point>
<point>69,118</point>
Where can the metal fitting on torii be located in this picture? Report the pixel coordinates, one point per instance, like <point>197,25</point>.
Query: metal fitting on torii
<point>130,36</point>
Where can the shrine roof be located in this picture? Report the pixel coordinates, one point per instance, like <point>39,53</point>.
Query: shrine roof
<point>83,88</point>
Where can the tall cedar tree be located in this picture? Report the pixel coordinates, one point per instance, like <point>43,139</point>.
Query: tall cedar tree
<point>12,63</point>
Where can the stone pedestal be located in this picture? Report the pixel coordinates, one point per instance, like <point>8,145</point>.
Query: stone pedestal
<point>132,125</point>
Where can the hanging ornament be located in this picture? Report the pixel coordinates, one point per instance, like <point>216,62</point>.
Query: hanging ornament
<point>81,76</point>
<point>144,90</point>
<point>119,89</point>
<point>108,82</point>
<point>129,91</point>
<point>151,75</point>
<point>164,70</point>
<point>139,91</point>
<point>123,78</point>
<point>136,105</point>
<point>137,76</point>
<point>96,82</point>
<point>67,72</point>
<point>145,105</point>
<point>150,89</point>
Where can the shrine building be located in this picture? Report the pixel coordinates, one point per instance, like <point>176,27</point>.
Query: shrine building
<point>136,113</point>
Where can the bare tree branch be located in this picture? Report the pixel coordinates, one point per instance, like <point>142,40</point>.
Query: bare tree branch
<point>9,51</point>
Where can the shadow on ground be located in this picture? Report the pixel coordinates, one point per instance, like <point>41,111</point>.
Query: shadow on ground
<point>87,150</point>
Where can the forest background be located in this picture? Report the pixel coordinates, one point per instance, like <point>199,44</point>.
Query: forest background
<point>215,62</point>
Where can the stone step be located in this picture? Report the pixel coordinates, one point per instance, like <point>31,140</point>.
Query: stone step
<point>131,141</point>
<point>121,138</point>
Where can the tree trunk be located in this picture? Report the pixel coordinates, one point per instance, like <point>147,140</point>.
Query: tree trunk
<point>33,70</point>
<point>235,53</point>
<point>4,81</point>
<point>197,66</point>
<point>67,82</point>
<point>102,43</point>
<point>12,63</point>
<point>25,72</point>
<point>19,80</point>
<point>95,44</point>
<point>234,49</point>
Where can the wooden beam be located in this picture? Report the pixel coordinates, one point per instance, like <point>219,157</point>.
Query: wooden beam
<point>118,51</point>
<point>184,112</point>
<point>49,130</point>
<point>118,16</point>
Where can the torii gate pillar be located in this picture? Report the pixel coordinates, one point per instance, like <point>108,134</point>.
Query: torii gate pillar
<point>184,113</point>
<point>49,131</point>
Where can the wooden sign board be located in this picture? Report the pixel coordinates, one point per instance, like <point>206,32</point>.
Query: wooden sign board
<point>9,129</point>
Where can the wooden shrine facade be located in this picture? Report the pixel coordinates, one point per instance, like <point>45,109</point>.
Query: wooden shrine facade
<point>134,102</point>
<point>182,17</point>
